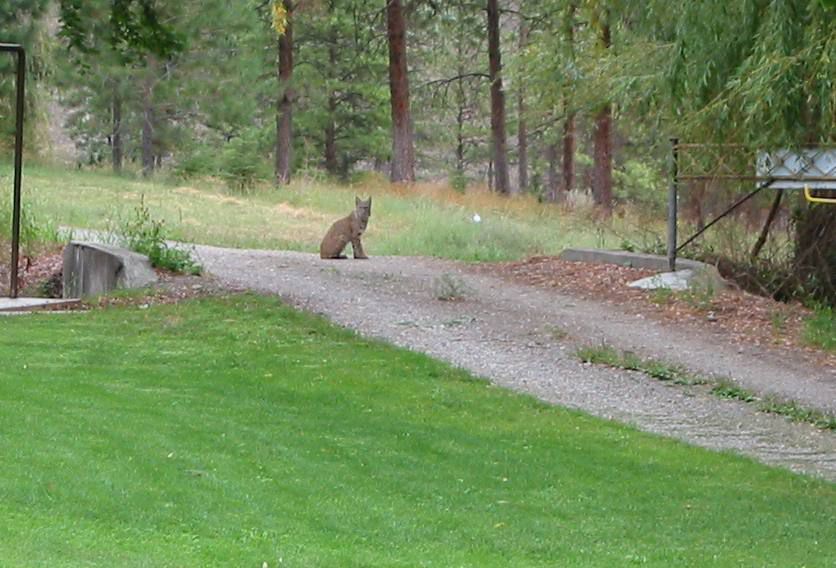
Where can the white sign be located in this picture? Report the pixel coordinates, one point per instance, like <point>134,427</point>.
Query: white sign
<point>794,170</point>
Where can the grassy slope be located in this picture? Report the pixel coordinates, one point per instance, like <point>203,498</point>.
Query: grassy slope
<point>429,220</point>
<point>236,432</point>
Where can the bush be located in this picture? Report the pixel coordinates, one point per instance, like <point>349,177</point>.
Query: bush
<point>641,185</point>
<point>241,164</point>
<point>196,163</point>
<point>146,235</point>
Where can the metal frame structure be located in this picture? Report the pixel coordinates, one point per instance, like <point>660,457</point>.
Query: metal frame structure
<point>721,171</point>
<point>20,84</point>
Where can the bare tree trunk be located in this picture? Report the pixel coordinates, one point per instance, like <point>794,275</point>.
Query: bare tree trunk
<point>498,139</point>
<point>522,128</point>
<point>602,152</point>
<point>403,152</point>
<point>568,172</point>
<point>551,178</point>
<point>116,149</point>
<point>148,118</point>
<point>460,115</point>
<point>284,102</point>
<point>331,165</point>
<point>490,175</point>
<point>569,124</point>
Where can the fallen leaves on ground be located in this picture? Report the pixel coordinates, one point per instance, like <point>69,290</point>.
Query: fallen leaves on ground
<point>732,314</point>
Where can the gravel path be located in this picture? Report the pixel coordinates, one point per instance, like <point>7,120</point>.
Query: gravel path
<point>524,338</point>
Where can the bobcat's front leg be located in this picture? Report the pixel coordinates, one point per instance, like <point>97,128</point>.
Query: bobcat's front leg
<point>357,247</point>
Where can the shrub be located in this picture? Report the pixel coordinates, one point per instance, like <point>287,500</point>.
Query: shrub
<point>146,235</point>
<point>241,163</point>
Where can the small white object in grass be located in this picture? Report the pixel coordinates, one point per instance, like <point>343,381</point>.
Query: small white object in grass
<point>477,218</point>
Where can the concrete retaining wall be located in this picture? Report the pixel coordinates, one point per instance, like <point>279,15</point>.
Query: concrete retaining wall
<point>91,269</point>
<point>641,260</point>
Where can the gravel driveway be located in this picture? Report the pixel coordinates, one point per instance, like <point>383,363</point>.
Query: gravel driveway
<point>524,339</point>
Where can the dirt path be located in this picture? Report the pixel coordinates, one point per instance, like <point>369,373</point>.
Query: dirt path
<point>509,334</point>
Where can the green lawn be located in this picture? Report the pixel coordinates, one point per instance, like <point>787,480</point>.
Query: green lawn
<point>235,432</point>
<point>426,220</point>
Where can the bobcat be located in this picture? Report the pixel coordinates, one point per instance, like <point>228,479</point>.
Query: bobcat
<point>347,230</point>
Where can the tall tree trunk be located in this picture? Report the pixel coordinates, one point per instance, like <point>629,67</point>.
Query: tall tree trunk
<point>602,155</point>
<point>498,140</point>
<point>551,177</point>
<point>331,165</point>
<point>568,171</point>
<point>403,152</point>
<point>568,165</point>
<point>602,152</point>
<point>284,101</point>
<point>148,118</point>
<point>116,149</point>
<point>461,100</point>
<point>460,116</point>
<point>490,175</point>
<point>522,128</point>
<point>815,251</point>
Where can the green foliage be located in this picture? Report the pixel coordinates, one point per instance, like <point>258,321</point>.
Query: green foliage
<point>458,181</point>
<point>797,413</point>
<point>21,22</point>
<point>608,355</point>
<point>137,28</point>
<point>241,163</point>
<point>196,163</point>
<point>146,235</point>
<point>640,184</point>
<point>728,389</point>
<point>35,230</point>
<point>238,432</point>
<point>820,328</point>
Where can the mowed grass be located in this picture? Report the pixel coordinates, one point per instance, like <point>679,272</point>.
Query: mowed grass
<point>426,219</point>
<point>237,432</point>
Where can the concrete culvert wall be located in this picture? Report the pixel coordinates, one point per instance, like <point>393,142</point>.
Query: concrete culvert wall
<point>92,269</point>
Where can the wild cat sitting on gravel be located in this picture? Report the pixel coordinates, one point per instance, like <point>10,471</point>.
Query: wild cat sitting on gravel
<point>347,230</point>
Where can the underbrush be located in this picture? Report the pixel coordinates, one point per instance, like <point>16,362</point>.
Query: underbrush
<point>146,235</point>
<point>820,329</point>
<point>36,231</point>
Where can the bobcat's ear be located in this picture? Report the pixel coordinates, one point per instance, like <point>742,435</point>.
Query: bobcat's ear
<point>356,200</point>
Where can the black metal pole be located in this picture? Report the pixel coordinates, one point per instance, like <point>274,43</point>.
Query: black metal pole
<point>673,191</point>
<point>21,78</point>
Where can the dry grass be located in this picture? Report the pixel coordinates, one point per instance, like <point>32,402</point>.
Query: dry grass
<point>430,219</point>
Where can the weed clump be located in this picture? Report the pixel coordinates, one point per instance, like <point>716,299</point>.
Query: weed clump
<point>146,235</point>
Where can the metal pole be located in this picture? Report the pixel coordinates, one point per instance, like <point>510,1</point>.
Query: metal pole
<point>21,74</point>
<point>21,78</point>
<point>672,199</point>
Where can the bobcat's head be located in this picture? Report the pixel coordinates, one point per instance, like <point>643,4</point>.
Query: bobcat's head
<point>363,210</point>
